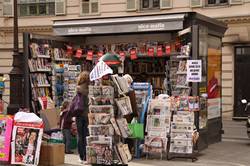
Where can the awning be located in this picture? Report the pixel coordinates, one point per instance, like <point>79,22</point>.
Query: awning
<point>113,25</point>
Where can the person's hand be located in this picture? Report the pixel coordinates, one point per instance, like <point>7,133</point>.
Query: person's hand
<point>73,119</point>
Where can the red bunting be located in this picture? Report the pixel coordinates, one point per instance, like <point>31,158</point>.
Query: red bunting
<point>79,53</point>
<point>168,49</point>
<point>151,51</point>
<point>159,51</point>
<point>133,54</point>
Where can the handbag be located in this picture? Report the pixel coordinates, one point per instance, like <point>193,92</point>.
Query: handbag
<point>77,106</point>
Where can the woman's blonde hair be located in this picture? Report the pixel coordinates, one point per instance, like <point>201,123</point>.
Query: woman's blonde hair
<point>83,78</point>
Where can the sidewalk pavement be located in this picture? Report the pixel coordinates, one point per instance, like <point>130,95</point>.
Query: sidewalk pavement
<point>229,152</point>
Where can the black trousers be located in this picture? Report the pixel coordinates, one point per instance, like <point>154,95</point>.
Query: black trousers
<point>82,133</point>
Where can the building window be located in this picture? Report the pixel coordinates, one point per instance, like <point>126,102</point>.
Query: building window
<point>36,7</point>
<point>150,4</point>
<point>217,2</point>
<point>89,7</point>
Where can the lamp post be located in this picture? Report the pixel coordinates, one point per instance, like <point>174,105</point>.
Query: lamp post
<point>16,74</point>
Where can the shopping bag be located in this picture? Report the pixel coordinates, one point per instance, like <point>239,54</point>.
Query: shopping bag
<point>137,130</point>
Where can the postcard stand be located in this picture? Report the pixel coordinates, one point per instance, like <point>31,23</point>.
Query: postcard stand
<point>181,142</point>
<point>104,145</point>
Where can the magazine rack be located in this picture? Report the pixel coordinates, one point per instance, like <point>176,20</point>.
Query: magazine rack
<point>145,88</point>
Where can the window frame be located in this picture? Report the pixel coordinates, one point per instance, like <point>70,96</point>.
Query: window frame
<point>89,3</point>
<point>217,4</point>
<point>151,7</point>
<point>37,4</point>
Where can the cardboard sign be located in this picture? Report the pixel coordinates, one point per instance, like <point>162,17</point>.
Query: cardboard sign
<point>6,123</point>
<point>101,69</point>
<point>151,51</point>
<point>78,53</point>
<point>159,51</point>
<point>90,55</point>
<point>133,54</point>
<point>26,143</point>
<point>194,71</point>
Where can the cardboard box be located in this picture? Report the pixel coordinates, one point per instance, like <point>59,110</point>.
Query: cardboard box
<point>50,118</point>
<point>51,154</point>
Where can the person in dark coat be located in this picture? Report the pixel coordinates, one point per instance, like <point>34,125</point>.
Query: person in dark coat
<point>65,125</point>
<point>79,108</point>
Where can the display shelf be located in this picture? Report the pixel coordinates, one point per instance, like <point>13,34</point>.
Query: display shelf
<point>181,72</point>
<point>43,56</point>
<point>182,56</point>
<point>182,86</point>
<point>41,70</point>
<point>63,59</point>
<point>42,86</point>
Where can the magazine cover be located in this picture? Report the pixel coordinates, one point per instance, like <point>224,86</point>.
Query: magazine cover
<point>6,123</point>
<point>183,106</point>
<point>123,126</point>
<point>101,130</point>
<point>159,107</point>
<point>108,109</point>
<point>124,105</point>
<point>155,144</point>
<point>193,103</point>
<point>182,66</point>
<point>158,125</point>
<point>99,118</point>
<point>99,154</point>
<point>91,140</point>
<point>26,143</point>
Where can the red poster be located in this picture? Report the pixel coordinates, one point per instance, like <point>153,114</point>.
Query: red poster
<point>79,53</point>
<point>159,51</point>
<point>133,54</point>
<point>1,106</point>
<point>168,49</point>
<point>150,51</point>
<point>90,55</point>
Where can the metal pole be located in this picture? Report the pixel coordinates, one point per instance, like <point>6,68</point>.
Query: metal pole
<point>16,75</point>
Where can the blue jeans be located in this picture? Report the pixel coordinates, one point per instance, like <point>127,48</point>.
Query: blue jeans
<point>82,133</point>
<point>67,139</point>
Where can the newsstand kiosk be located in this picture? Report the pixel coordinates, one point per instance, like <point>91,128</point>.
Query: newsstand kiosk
<point>149,45</point>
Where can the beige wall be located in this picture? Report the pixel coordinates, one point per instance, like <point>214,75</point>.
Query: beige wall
<point>110,8</point>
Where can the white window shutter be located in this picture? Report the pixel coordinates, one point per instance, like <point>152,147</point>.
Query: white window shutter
<point>8,8</point>
<point>165,4</point>
<point>131,5</point>
<point>94,6</point>
<point>195,3</point>
<point>236,2</point>
<point>60,7</point>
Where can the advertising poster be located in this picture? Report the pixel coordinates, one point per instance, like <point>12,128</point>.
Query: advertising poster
<point>214,73</point>
<point>6,123</point>
<point>213,108</point>
<point>214,78</point>
<point>26,143</point>
<point>194,70</point>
